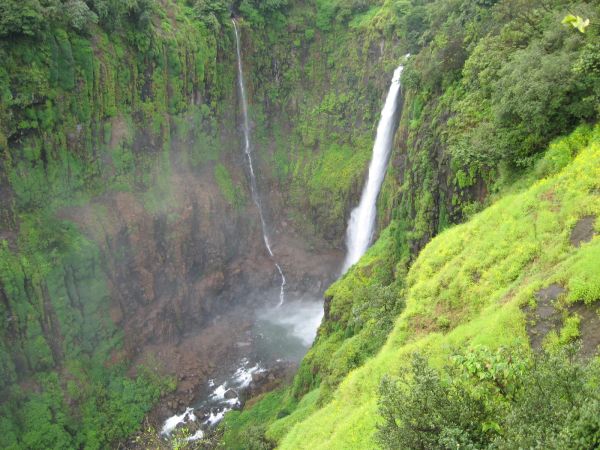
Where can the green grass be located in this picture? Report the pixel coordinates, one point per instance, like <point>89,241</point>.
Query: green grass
<point>264,412</point>
<point>477,276</point>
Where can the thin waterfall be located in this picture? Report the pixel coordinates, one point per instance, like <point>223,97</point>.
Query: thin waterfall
<point>362,220</point>
<point>248,151</point>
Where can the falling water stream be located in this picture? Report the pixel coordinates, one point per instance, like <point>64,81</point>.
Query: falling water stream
<point>248,151</point>
<point>362,220</point>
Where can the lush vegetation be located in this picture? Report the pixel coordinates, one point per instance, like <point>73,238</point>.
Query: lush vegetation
<point>93,96</point>
<point>488,87</point>
<point>493,400</point>
<point>469,289</point>
<point>101,96</point>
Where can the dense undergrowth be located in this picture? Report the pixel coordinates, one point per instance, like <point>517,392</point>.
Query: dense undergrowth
<point>499,399</point>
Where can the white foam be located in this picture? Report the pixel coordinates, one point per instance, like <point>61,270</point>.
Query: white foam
<point>240,379</point>
<point>215,418</point>
<point>196,436</point>
<point>243,376</point>
<point>219,392</point>
<point>172,422</point>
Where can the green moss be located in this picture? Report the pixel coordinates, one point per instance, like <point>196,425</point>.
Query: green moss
<point>232,193</point>
<point>84,114</point>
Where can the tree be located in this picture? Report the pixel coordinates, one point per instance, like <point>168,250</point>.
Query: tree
<point>24,17</point>
<point>79,15</point>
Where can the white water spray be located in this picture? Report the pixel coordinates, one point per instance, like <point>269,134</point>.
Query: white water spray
<point>248,151</point>
<point>362,220</point>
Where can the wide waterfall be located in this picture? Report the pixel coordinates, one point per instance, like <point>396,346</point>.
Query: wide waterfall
<point>248,151</point>
<point>362,220</point>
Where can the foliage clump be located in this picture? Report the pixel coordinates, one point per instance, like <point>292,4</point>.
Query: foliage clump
<point>493,400</point>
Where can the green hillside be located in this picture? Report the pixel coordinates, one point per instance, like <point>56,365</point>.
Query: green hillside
<point>475,286</point>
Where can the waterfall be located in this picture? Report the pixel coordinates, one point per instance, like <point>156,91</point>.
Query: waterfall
<point>362,220</point>
<point>248,152</point>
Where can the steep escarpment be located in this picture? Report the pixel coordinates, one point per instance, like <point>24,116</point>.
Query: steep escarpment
<point>475,296</point>
<point>114,231</point>
<point>126,221</point>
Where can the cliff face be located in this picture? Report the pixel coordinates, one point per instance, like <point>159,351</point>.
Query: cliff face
<point>127,226</point>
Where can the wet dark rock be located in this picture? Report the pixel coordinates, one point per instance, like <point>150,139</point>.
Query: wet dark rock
<point>271,378</point>
<point>589,331</point>
<point>544,317</point>
<point>549,294</point>
<point>230,393</point>
<point>583,231</point>
<point>257,377</point>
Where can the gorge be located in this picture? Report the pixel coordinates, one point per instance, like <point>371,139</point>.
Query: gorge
<point>227,395</point>
<point>221,226</point>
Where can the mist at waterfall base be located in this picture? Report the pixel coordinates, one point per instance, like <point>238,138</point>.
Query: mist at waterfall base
<point>279,335</point>
<point>361,225</point>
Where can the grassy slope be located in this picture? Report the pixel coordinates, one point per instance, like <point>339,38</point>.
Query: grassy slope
<point>469,284</point>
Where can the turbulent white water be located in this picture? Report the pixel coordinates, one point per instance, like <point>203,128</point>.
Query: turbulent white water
<point>172,422</point>
<point>248,151</point>
<point>362,220</point>
<point>218,402</point>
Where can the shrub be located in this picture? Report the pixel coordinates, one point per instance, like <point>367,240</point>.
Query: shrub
<point>429,412</point>
<point>21,17</point>
<point>493,400</point>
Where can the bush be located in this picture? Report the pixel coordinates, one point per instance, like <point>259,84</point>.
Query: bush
<point>254,439</point>
<point>553,407</point>
<point>494,400</point>
<point>429,412</point>
<point>515,98</point>
<point>21,17</point>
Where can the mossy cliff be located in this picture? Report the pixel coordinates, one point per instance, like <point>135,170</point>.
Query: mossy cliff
<point>461,295</point>
<point>486,284</point>
<point>112,162</point>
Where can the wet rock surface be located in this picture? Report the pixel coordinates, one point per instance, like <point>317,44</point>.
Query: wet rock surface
<point>589,327</point>
<point>544,317</point>
<point>548,316</point>
<point>583,231</point>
